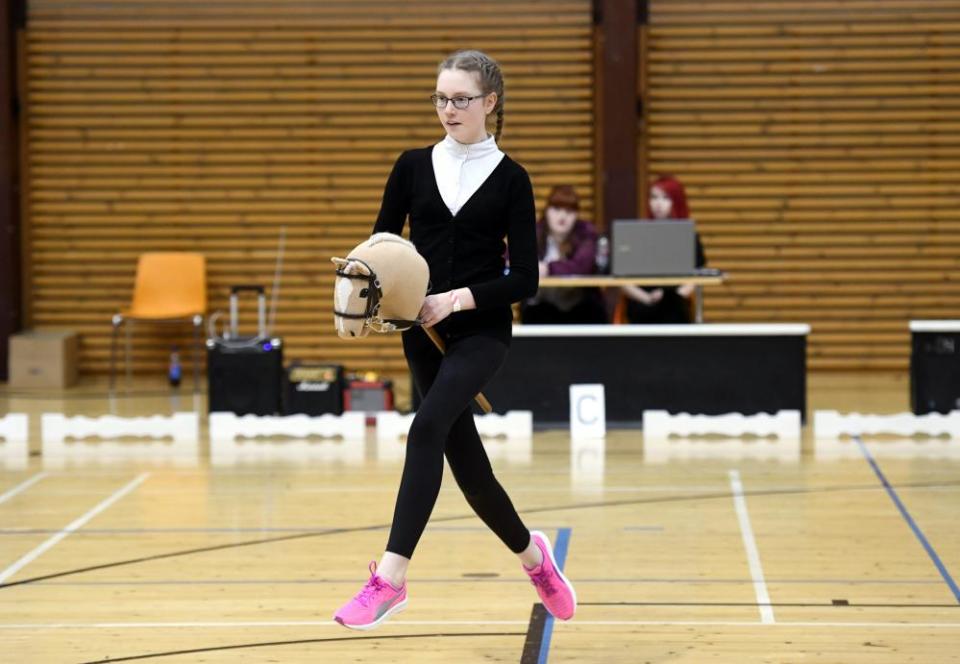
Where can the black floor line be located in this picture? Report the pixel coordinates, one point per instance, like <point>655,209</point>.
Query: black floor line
<point>534,642</point>
<point>535,510</point>
<point>831,604</point>
<point>268,644</point>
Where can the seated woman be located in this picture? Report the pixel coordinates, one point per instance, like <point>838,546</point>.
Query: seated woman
<point>668,304</point>
<point>567,246</point>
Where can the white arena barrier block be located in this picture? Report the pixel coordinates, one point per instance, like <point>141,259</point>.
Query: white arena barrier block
<point>833,424</point>
<point>229,426</point>
<point>14,452</point>
<point>661,424</point>
<point>513,424</point>
<point>14,427</point>
<point>392,425</point>
<point>392,428</point>
<point>181,427</point>
<point>507,437</point>
<point>236,440</point>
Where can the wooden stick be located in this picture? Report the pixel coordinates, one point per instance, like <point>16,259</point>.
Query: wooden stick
<point>438,342</point>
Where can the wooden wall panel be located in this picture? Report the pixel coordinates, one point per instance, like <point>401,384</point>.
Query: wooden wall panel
<point>207,126</point>
<point>819,144</point>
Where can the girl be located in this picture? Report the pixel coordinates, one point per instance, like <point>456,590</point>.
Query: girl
<point>566,245</point>
<point>463,195</point>
<point>668,200</point>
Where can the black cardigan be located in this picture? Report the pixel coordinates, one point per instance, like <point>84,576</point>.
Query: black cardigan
<point>467,250</point>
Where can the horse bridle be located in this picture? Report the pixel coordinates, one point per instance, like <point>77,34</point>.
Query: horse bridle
<point>372,293</point>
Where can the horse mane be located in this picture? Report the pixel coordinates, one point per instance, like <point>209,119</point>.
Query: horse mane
<point>377,238</point>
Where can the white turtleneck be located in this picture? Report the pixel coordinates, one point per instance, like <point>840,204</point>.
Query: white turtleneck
<point>461,168</point>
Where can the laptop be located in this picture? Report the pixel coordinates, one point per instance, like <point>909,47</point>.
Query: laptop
<point>648,248</point>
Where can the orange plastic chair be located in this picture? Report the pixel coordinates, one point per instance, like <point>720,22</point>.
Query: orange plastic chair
<point>620,311</point>
<point>170,287</point>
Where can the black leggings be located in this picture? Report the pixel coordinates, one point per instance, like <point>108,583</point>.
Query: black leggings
<point>442,426</point>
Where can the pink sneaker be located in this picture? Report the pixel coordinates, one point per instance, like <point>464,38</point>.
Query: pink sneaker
<point>377,601</point>
<point>555,590</point>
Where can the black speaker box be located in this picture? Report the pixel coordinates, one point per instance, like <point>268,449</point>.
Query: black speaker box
<point>314,389</point>
<point>935,372</point>
<point>245,378</point>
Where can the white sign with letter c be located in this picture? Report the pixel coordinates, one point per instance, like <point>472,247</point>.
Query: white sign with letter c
<point>588,416</point>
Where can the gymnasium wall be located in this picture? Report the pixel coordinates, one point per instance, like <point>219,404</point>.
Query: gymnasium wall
<point>175,125</point>
<point>819,143</point>
<point>817,139</point>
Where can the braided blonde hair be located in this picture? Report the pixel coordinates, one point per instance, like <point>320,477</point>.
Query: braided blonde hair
<point>491,79</point>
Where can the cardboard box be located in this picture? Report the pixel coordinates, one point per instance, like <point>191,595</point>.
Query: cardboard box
<point>43,359</point>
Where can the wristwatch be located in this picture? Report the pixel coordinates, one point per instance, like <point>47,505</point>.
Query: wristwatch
<point>456,301</point>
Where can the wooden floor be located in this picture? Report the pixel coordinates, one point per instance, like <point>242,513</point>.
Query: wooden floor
<point>683,551</point>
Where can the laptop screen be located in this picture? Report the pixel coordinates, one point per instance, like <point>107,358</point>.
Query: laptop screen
<point>653,248</point>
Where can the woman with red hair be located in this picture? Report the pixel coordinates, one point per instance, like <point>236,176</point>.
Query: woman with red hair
<point>667,200</point>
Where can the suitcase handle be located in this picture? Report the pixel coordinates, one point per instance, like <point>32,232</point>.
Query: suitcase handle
<point>247,287</point>
<point>261,309</point>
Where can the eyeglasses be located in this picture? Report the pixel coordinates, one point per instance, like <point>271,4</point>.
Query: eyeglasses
<point>458,102</point>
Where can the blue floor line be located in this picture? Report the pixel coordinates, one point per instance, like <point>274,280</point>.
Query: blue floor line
<point>560,547</point>
<point>909,519</point>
